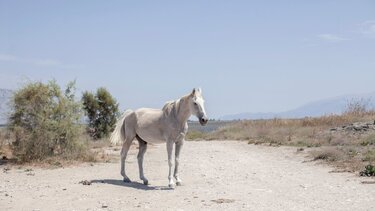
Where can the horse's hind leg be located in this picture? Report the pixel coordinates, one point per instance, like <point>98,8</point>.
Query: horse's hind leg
<point>141,153</point>
<point>124,152</point>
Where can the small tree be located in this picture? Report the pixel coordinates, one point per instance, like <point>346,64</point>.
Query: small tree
<point>102,112</point>
<point>45,121</point>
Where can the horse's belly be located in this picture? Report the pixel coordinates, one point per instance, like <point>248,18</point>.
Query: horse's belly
<point>151,136</point>
<point>152,139</point>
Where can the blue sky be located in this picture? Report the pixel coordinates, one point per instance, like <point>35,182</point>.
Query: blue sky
<point>248,56</point>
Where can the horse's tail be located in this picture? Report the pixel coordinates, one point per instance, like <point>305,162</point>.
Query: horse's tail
<point>118,135</point>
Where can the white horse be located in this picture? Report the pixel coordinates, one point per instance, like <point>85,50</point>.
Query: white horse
<point>168,124</point>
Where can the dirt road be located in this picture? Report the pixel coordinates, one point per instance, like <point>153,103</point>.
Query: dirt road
<point>217,175</point>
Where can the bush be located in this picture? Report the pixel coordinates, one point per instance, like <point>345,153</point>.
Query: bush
<point>2,137</point>
<point>45,121</point>
<point>5,137</point>
<point>102,111</point>
<point>368,172</point>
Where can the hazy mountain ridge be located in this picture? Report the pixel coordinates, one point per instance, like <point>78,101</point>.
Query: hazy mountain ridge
<point>5,95</point>
<point>335,105</point>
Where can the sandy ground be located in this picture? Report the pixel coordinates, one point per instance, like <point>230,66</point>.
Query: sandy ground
<point>225,175</point>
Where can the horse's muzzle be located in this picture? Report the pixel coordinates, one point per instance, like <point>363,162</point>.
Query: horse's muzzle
<point>203,120</point>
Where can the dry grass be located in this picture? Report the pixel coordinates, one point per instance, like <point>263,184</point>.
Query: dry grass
<point>369,156</point>
<point>307,131</point>
<point>5,138</point>
<point>328,154</point>
<point>346,150</point>
<point>196,135</point>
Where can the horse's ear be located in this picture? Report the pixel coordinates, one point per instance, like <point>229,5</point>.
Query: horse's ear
<point>193,92</point>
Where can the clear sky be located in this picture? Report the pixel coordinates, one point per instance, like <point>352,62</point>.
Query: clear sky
<point>247,56</point>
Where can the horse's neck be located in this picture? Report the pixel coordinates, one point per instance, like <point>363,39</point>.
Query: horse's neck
<point>178,111</point>
<point>183,111</point>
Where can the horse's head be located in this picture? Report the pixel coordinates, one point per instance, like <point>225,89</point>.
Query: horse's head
<point>197,106</point>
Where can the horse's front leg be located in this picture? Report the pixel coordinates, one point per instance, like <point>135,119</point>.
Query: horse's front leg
<point>170,163</point>
<point>177,161</point>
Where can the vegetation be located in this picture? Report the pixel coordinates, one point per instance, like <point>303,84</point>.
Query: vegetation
<point>5,136</point>
<point>357,107</point>
<point>368,172</point>
<point>347,149</point>
<point>45,123</point>
<point>102,112</point>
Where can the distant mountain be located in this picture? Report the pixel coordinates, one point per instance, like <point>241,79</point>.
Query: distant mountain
<point>5,95</point>
<point>334,105</point>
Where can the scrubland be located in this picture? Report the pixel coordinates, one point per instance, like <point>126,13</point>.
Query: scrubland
<point>346,141</point>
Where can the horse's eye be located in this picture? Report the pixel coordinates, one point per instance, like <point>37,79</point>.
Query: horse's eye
<point>195,103</point>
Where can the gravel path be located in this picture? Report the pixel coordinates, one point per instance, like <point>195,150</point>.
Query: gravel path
<point>217,175</point>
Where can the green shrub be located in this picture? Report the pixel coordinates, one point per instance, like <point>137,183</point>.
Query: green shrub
<point>102,111</point>
<point>368,172</point>
<point>45,121</point>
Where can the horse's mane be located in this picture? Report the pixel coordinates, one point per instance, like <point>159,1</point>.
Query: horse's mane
<point>173,106</point>
<point>169,107</point>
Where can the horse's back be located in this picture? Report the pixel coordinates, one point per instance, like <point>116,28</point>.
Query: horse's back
<point>148,115</point>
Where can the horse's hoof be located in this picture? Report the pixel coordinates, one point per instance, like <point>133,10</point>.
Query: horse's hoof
<point>171,186</point>
<point>178,183</point>
<point>127,180</point>
<point>145,182</point>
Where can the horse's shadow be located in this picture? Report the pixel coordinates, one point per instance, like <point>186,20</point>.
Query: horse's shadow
<point>135,185</point>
